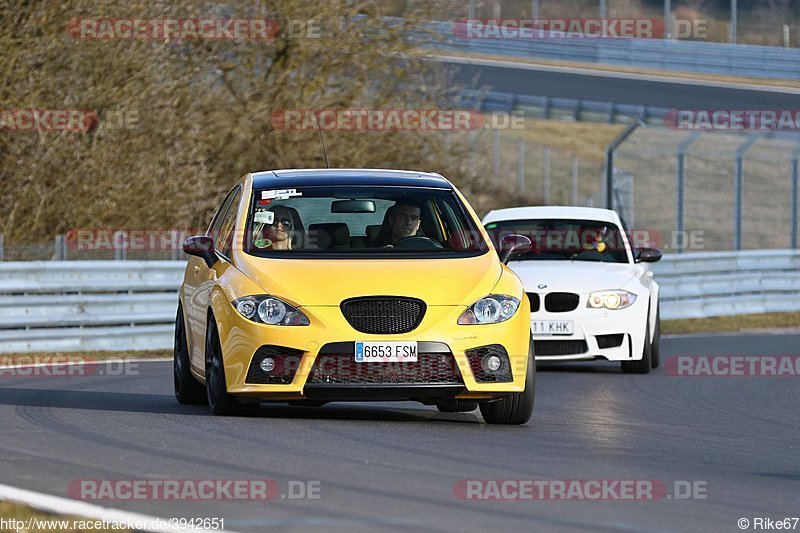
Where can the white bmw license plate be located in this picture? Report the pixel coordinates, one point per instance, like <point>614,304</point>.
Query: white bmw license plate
<point>386,352</point>
<point>552,327</point>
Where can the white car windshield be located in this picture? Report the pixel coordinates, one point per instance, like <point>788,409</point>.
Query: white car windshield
<point>568,240</point>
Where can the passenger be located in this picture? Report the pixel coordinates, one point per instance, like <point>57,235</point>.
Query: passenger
<point>278,235</point>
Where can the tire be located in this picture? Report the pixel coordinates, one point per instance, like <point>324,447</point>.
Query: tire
<point>219,400</point>
<point>515,408</point>
<point>188,391</point>
<point>655,348</point>
<point>643,365</point>
<point>457,406</point>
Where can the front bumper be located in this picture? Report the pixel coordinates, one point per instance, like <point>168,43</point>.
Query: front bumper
<point>241,339</point>
<point>593,327</point>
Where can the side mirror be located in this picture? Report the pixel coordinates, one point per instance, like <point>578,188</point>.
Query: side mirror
<point>201,246</point>
<point>513,244</point>
<point>647,255</point>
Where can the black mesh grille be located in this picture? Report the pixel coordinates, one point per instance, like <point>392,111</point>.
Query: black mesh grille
<point>342,368</point>
<point>383,315</point>
<point>535,302</point>
<point>566,347</point>
<point>609,341</point>
<point>475,357</point>
<point>561,302</point>
<point>287,360</point>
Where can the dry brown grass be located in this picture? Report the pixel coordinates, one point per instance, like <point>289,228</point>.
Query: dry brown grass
<point>204,111</point>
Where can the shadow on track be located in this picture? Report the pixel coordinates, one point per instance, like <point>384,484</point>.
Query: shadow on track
<point>164,404</point>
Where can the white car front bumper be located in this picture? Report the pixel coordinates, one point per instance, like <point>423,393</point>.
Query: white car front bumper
<point>626,325</point>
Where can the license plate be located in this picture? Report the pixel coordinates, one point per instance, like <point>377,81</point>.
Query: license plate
<point>552,327</point>
<point>386,352</point>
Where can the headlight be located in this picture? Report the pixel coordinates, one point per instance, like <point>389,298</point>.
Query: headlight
<point>611,299</point>
<point>490,310</point>
<point>270,310</point>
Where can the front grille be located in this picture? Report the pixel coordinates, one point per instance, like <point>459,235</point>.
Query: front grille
<point>609,341</point>
<point>535,302</point>
<point>561,302</point>
<point>338,366</point>
<point>476,355</point>
<point>383,316</point>
<point>566,347</point>
<point>287,360</point>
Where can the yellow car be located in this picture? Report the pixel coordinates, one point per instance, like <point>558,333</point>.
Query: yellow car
<point>313,286</point>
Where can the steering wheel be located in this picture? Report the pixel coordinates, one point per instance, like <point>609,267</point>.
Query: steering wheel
<point>418,241</point>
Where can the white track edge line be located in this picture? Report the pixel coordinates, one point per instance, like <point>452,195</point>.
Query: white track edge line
<point>65,506</point>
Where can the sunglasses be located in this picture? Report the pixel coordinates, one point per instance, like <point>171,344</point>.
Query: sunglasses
<point>285,222</point>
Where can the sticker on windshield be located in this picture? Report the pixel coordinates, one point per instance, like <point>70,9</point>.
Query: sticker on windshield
<point>263,243</point>
<point>264,217</point>
<point>280,194</point>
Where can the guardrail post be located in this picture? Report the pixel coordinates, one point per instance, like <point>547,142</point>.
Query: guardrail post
<point>2,247</point>
<point>574,195</point>
<point>680,188</point>
<point>60,248</point>
<point>609,170</point>
<point>546,108</point>
<point>739,185</point>
<point>496,155</point>
<point>546,175</point>
<point>521,165</point>
<point>612,112</point>
<point>578,108</point>
<point>795,199</point>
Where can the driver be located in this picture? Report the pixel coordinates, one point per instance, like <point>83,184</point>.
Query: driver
<point>404,222</point>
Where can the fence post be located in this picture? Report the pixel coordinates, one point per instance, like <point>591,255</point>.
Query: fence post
<point>496,154</point>
<point>795,200</point>
<point>521,165</point>
<point>739,185</point>
<point>546,175</point>
<point>2,247</point>
<point>60,248</point>
<point>680,188</point>
<point>609,170</point>
<point>574,195</point>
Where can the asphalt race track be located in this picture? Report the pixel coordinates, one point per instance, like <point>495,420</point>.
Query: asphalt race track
<point>698,95</point>
<point>394,466</point>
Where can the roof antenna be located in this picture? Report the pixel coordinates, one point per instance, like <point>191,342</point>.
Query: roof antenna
<point>322,140</point>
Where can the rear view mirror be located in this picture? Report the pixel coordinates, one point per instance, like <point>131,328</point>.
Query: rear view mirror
<point>201,246</point>
<point>513,244</point>
<point>353,206</point>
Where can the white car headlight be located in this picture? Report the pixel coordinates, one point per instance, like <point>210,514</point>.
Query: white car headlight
<point>270,310</point>
<point>611,299</point>
<point>490,310</point>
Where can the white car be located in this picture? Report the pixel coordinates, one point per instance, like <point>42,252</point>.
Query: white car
<point>592,296</point>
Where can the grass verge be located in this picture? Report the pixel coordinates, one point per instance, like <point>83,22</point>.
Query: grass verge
<point>732,324</point>
<point>34,520</point>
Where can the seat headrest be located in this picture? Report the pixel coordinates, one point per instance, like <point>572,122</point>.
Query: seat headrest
<point>330,234</point>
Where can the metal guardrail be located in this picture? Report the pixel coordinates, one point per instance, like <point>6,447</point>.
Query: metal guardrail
<point>59,306</point>
<point>692,56</point>
<point>69,306</point>
<point>701,285</point>
<point>547,107</point>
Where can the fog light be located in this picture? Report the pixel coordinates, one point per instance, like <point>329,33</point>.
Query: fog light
<point>491,363</point>
<point>267,364</point>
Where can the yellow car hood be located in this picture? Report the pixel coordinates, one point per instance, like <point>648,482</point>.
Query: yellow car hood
<point>326,282</point>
